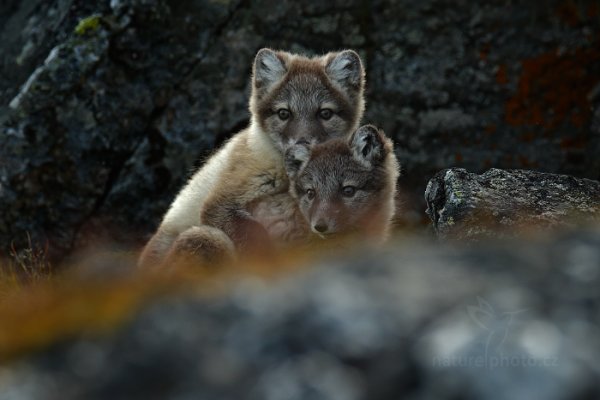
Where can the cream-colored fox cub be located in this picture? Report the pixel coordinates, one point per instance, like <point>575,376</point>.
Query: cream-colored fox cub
<point>294,98</point>
<point>346,186</point>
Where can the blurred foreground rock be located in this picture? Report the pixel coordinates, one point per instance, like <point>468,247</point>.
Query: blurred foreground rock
<point>417,320</point>
<point>464,205</point>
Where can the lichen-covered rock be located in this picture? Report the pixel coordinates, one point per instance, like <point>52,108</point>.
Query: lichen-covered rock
<point>418,320</point>
<point>28,32</point>
<point>134,95</point>
<point>506,202</point>
<point>83,115</point>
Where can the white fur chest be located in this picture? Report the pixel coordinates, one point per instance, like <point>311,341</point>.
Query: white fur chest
<point>281,218</point>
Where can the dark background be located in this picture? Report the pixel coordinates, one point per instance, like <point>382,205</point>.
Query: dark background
<point>107,108</point>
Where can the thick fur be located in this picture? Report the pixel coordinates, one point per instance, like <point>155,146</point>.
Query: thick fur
<point>247,176</point>
<point>202,244</point>
<point>346,186</point>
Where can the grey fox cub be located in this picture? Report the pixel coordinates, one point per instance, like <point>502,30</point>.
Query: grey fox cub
<point>346,186</point>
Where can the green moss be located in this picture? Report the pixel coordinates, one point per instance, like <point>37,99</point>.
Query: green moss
<point>88,24</point>
<point>456,197</point>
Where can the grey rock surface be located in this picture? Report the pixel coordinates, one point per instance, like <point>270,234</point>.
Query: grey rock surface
<point>106,107</point>
<point>418,321</point>
<point>465,205</point>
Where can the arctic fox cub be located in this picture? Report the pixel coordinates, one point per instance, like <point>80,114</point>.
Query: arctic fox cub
<point>346,186</point>
<point>294,98</point>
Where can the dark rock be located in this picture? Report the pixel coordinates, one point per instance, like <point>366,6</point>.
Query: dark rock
<point>134,94</point>
<point>418,320</point>
<point>82,116</point>
<point>28,32</point>
<point>468,206</point>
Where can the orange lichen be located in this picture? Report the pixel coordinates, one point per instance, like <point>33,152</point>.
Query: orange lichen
<point>526,163</point>
<point>44,313</point>
<point>569,13</point>
<point>528,137</point>
<point>38,315</point>
<point>553,89</point>
<point>573,15</point>
<point>490,129</point>
<point>485,50</point>
<point>458,158</point>
<point>502,75</point>
<point>577,142</point>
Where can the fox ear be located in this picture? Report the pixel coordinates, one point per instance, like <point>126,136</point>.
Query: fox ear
<point>367,145</point>
<point>296,158</point>
<point>269,68</point>
<point>345,68</point>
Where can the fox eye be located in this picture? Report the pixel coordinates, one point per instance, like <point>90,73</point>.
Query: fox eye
<point>310,193</point>
<point>325,113</point>
<point>348,191</point>
<point>283,113</point>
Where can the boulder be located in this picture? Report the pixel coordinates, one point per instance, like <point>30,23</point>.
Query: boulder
<point>464,205</point>
<point>91,115</point>
<point>417,320</point>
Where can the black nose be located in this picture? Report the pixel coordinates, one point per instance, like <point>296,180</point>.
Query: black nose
<point>321,227</point>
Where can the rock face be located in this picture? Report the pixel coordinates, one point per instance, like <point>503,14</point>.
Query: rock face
<point>469,206</point>
<point>418,320</point>
<point>105,107</point>
<point>82,142</point>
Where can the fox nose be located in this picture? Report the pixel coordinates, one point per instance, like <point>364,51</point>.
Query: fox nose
<point>320,226</point>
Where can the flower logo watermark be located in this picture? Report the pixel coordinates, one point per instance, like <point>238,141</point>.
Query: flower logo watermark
<point>497,324</point>
<point>494,329</point>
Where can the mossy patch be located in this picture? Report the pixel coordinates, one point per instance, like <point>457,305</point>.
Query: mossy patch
<point>87,25</point>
